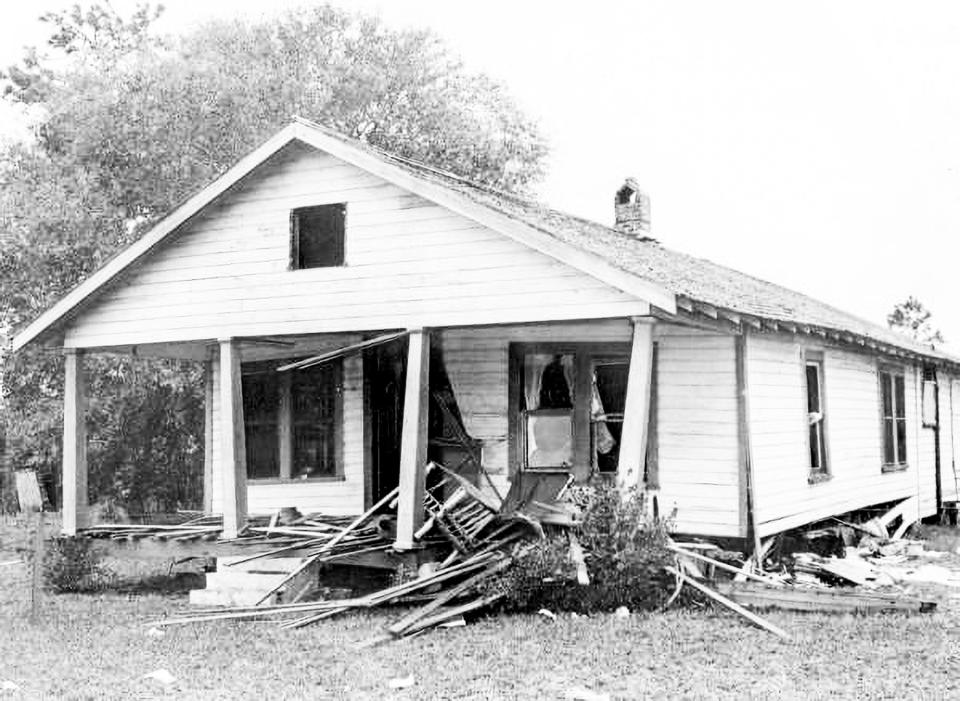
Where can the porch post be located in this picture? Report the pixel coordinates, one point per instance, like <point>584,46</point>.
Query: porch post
<point>208,451</point>
<point>232,460</point>
<point>636,415</point>
<point>75,511</point>
<point>413,439</point>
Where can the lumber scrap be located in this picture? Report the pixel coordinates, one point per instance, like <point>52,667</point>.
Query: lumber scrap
<point>732,605</point>
<point>723,566</point>
<point>824,600</point>
<point>356,523</point>
<point>403,625</point>
<point>907,509</point>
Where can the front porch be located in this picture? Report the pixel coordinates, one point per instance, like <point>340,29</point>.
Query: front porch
<point>332,422</point>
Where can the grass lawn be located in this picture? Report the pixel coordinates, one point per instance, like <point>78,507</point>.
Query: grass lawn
<point>98,647</point>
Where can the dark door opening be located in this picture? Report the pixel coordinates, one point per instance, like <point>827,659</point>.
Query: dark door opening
<point>384,370</point>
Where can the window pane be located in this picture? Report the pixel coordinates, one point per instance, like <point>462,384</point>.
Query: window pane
<point>813,387</point>
<point>901,441</point>
<point>548,381</point>
<point>888,452</point>
<point>314,396</point>
<point>262,458</point>
<point>885,391</point>
<point>900,404</point>
<point>313,451</point>
<point>549,439</point>
<point>261,395</point>
<point>815,447</point>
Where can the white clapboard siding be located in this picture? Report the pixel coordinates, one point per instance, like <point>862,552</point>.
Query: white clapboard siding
<point>778,432</point>
<point>409,263</point>
<point>697,430</point>
<point>338,497</point>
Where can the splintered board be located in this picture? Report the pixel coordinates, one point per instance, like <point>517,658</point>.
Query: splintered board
<point>759,596</point>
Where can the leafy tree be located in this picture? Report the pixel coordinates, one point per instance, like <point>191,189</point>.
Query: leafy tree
<point>913,319</point>
<point>133,122</point>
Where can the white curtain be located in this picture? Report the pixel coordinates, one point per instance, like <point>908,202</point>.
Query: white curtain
<point>533,366</point>
<point>605,440</point>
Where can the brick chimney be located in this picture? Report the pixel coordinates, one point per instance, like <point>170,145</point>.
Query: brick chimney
<point>632,208</point>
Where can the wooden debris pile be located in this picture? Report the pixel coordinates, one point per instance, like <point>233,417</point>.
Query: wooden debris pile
<point>845,568</point>
<point>470,537</point>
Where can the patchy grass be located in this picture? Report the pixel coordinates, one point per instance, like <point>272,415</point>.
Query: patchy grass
<point>97,647</point>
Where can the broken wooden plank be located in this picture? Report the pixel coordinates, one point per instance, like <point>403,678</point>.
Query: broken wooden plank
<point>454,612</point>
<point>823,600</point>
<point>732,605</point>
<point>356,523</point>
<point>579,559</point>
<point>901,509</point>
<point>722,565</point>
<point>399,627</point>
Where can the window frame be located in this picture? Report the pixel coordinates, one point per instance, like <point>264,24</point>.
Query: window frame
<point>585,354</point>
<point>286,421</point>
<point>816,359</point>
<point>893,371</point>
<point>295,235</point>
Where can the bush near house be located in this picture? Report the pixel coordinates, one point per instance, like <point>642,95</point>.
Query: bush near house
<point>625,553</point>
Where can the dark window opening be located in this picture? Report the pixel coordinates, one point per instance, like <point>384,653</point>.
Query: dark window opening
<point>261,415</point>
<point>292,421</point>
<point>608,404</point>
<point>816,418</point>
<point>894,418</point>
<point>317,235</point>
<point>931,417</point>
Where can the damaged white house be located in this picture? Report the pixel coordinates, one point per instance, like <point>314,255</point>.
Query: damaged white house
<point>359,314</point>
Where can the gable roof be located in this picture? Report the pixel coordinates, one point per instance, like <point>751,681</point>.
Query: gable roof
<point>676,283</point>
<point>373,161</point>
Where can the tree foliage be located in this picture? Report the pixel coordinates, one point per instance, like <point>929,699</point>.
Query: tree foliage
<point>132,123</point>
<point>913,319</point>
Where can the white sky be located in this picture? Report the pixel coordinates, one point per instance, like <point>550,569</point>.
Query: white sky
<point>814,143</point>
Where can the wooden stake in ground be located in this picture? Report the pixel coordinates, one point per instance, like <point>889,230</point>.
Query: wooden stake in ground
<point>37,579</point>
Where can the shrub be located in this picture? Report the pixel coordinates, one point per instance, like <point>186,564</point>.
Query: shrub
<point>625,553</point>
<point>73,564</point>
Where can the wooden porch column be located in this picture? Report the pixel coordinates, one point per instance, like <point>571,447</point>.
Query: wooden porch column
<point>413,439</point>
<point>232,459</point>
<point>636,415</point>
<point>75,511</point>
<point>208,451</point>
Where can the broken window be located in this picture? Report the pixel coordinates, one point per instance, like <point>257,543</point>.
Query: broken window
<point>316,236</point>
<point>894,417</point>
<point>570,402</point>
<point>816,416</point>
<point>608,402</point>
<point>292,421</point>
<point>549,381</point>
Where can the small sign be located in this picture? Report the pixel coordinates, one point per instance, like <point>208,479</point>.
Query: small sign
<point>28,490</point>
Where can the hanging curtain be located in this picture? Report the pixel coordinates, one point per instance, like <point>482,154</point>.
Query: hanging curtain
<point>533,367</point>
<point>567,362</point>
<point>605,442</point>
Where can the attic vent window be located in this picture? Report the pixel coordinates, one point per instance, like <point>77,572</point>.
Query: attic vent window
<point>316,236</point>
